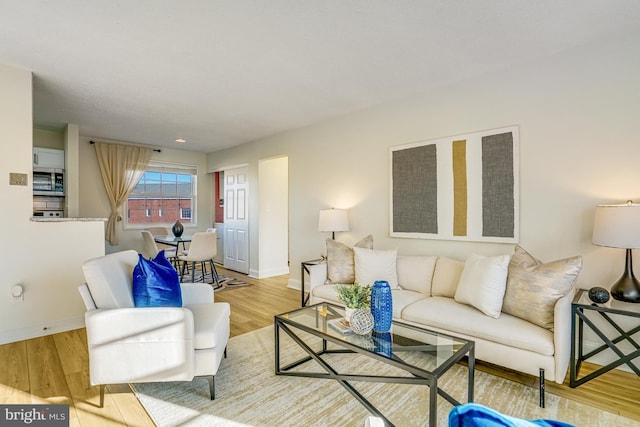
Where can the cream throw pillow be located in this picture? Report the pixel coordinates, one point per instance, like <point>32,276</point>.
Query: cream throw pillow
<point>415,272</point>
<point>446,277</point>
<point>376,265</point>
<point>340,265</point>
<point>533,287</point>
<point>483,282</point>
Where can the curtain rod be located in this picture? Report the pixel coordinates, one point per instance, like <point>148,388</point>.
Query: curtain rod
<point>157,150</point>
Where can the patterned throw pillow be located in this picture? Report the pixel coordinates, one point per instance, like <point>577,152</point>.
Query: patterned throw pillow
<point>340,264</point>
<point>534,287</point>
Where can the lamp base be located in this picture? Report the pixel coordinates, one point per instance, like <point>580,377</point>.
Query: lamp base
<point>627,288</point>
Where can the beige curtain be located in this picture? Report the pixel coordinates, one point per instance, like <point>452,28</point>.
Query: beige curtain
<point>121,167</point>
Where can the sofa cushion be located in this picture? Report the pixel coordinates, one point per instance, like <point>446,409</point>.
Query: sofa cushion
<point>401,299</point>
<point>445,313</point>
<point>340,263</point>
<point>415,273</point>
<point>372,265</point>
<point>533,287</point>
<point>326,293</point>
<point>446,276</point>
<point>483,282</point>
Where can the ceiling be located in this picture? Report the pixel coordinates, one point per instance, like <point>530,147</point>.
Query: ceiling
<point>222,73</point>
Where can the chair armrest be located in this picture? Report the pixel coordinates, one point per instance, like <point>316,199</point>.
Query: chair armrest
<point>140,344</point>
<point>196,293</point>
<point>562,335</point>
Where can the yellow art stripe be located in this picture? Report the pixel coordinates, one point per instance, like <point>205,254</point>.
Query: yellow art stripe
<point>459,154</point>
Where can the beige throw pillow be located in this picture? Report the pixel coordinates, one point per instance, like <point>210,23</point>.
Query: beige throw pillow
<point>340,264</point>
<point>482,283</point>
<point>373,265</point>
<point>533,287</point>
<point>446,277</point>
<point>415,272</point>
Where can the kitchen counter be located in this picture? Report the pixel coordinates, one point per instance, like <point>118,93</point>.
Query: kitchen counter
<point>49,219</point>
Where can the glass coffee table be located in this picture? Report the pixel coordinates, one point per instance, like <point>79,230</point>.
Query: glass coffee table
<point>423,354</point>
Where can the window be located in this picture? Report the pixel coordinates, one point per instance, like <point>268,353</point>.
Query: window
<point>163,195</point>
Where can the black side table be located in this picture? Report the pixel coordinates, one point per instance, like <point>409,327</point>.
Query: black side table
<point>305,269</point>
<point>580,309</point>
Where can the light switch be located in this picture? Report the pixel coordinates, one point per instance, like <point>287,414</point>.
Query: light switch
<point>17,178</point>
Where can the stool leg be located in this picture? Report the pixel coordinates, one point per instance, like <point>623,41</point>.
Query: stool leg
<point>214,273</point>
<point>203,267</point>
<point>184,265</point>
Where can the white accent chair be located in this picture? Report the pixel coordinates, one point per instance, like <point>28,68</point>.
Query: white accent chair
<point>151,344</point>
<point>203,249</point>
<point>161,231</point>
<point>150,248</point>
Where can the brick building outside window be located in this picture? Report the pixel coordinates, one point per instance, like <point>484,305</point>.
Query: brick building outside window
<point>162,196</point>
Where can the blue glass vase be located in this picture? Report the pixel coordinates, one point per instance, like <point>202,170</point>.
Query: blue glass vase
<point>381,306</point>
<point>383,342</point>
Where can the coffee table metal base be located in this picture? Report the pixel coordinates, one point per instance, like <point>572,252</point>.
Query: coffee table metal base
<point>343,379</point>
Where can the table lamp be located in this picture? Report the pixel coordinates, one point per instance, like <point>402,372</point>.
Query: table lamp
<point>618,226</point>
<point>333,220</point>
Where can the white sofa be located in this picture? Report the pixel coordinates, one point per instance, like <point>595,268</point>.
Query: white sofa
<point>425,298</point>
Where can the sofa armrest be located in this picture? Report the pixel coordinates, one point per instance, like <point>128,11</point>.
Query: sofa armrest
<point>197,293</point>
<point>140,344</point>
<point>562,335</point>
<point>317,275</point>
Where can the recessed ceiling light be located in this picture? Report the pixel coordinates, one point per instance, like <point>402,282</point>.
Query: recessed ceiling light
<point>181,140</point>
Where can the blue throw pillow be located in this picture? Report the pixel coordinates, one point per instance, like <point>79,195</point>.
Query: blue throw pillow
<point>156,283</point>
<point>476,415</point>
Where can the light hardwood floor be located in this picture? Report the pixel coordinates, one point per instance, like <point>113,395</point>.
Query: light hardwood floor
<point>54,369</point>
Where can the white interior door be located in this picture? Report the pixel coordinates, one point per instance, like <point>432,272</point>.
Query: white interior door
<point>236,220</point>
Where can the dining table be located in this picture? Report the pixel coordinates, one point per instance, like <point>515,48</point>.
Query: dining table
<point>174,241</point>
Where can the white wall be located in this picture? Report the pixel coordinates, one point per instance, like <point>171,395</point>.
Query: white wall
<point>273,217</point>
<point>579,146</point>
<point>94,201</point>
<point>44,257</point>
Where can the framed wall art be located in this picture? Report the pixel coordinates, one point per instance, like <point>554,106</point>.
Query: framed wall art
<point>462,187</point>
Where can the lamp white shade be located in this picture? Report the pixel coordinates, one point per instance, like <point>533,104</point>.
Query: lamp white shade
<point>617,226</point>
<point>333,220</point>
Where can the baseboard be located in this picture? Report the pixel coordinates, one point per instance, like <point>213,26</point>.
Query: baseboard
<point>271,272</point>
<point>294,284</point>
<point>42,330</point>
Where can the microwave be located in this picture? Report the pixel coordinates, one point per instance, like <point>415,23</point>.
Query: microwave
<point>48,182</point>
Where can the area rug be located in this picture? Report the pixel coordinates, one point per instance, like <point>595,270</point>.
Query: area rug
<point>226,282</point>
<point>248,393</point>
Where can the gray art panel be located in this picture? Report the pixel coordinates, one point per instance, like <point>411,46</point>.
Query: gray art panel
<point>498,215</point>
<point>415,190</point>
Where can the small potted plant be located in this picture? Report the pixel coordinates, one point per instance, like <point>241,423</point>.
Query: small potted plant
<point>354,297</point>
